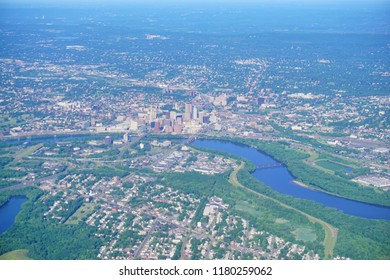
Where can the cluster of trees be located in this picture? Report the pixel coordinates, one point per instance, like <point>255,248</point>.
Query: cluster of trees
<point>146,147</point>
<point>128,239</point>
<point>31,164</point>
<point>196,253</point>
<point>199,211</point>
<point>6,183</point>
<point>5,160</point>
<point>11,173</point>
<point>101,171</point>
<point>43,239</point>
<point>72,207</point>
<point>177,253</point>
<point>190,183</point>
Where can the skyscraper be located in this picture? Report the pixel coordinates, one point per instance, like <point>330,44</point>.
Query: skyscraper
<point>152,114</point>
<point>172,115</point>
<point>188,108</point>
<point>194,113</point>
<point>126,138</point>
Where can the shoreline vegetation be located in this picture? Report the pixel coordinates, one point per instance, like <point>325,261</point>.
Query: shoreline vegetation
<point>294,161</point>
<point>314,189</point>
<point>306,186</point>
<point>330,231</point>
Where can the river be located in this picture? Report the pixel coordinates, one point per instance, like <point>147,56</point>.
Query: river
<point>280,179</point>
<point>9,211</point>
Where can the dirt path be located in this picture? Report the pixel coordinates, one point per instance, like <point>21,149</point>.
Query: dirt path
<point>330,231</point>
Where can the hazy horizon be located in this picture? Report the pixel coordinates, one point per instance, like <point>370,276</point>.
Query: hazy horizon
<point>183,2</point>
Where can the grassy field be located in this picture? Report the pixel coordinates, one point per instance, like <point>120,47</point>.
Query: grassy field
<point>281,221</point>
<point>7,122</point>
<point>333,166</point>
<point>305,234</point>
<point>244,206</point>
<point>312,161</point>
<point>26,152</point>
<point>85,210</point>
<point>15,255</point>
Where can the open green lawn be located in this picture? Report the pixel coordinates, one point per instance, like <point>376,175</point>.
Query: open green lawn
<point>244,206</point>
<point>305,234</point>
<point>85,210</point>
<point>15,255</point>
<point>6,121</point>
<point>28,151</point>
<point>333,166</point>
<point>281,221</point>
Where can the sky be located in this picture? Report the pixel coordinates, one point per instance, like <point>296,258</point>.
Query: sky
<point>381,4</point>
<point>58,2</point>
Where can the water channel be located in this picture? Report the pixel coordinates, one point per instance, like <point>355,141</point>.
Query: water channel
<point>280,179</point>
<point>9,211</point>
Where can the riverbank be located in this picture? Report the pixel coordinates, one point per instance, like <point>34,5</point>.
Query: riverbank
<point>281,180</point>
<point>306,186</point>
<point>295,160</point>
<point>330,231</point>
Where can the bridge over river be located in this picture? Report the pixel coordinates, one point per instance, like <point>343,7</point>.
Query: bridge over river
<point>269,165</point>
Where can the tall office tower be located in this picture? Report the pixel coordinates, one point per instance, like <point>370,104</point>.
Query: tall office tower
<point>179,119</point>
<point>194,113</point>
<point>201,115</point>
<point>213,118</point>
<point>126,138</point>
<point>152,113</point>
<point>172,115</point>
<point>186,116</point>
<point>188,108</point>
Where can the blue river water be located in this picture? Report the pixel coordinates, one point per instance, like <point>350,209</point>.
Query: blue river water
<point>279,179</point>
<point>9,211</point>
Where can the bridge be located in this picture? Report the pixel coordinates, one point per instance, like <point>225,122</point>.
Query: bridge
<point>269,165</point>
<point>191,139</point>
